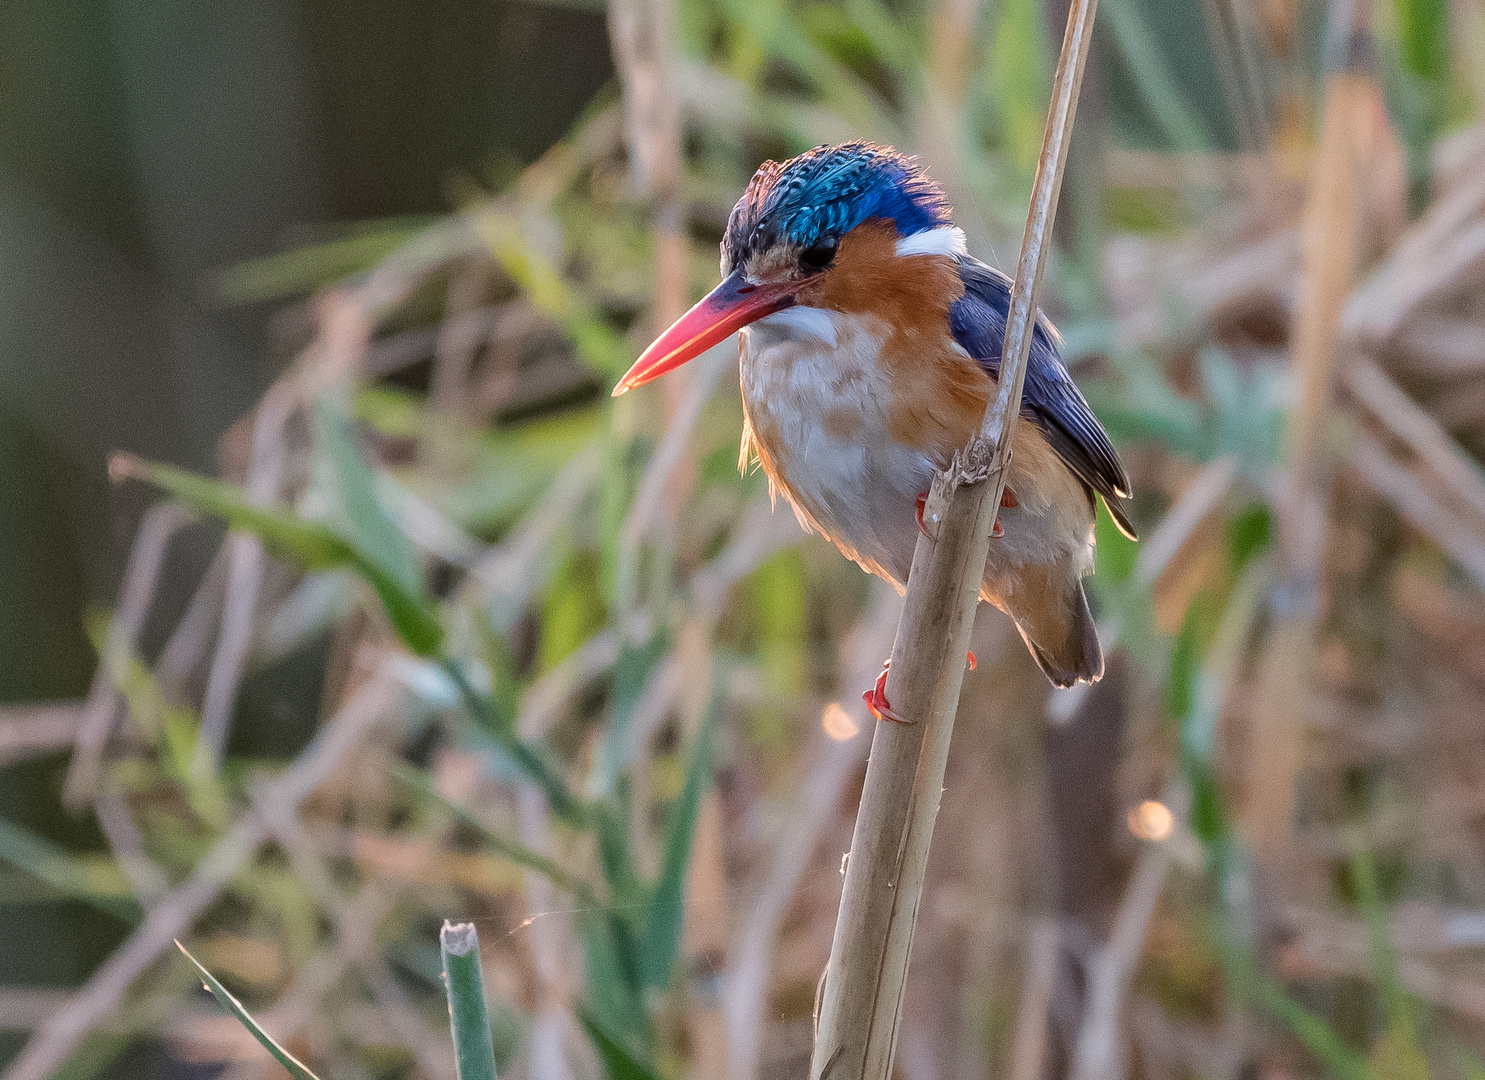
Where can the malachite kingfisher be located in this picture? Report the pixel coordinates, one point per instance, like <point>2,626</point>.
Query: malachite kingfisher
<point>870,345</point>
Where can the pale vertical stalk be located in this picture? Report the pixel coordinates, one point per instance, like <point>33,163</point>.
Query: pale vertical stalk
<point>705,936</point>
<point>1029,1044</point>
<point>141,576</point>
<point>245,559</point>
<point>645,48</point>
<point>1286,669</point>
<point>861,1002</point>
<point>345,322</point>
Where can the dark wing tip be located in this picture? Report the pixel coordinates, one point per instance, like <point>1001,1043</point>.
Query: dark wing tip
<point>1121,517</point>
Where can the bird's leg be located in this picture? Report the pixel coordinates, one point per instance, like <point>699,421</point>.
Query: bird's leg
<point>1007,499</point>
<point>876,697</point>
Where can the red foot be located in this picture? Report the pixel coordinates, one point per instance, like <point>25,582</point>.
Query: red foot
<point>1007,499</point>
<point>922,501</point>
<point>876,699</point>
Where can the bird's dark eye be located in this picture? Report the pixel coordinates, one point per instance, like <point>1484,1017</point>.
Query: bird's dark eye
<point>818,257</point>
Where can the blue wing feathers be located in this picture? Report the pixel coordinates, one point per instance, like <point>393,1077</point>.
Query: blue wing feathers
<point>1050,399</point>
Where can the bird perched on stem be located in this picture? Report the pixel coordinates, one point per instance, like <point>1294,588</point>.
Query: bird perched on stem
<point>870,346</point>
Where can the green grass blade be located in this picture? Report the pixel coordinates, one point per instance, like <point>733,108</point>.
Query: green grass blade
<point>469,1019</point>
<point>1385,973</point>
<point>529,759</point>
<point>1314,1033</point>
<point>1157,85</point>
<point>313,544</point>
<point>93,880</point>
<point>307,268</point>
<point>613,990</point>
<point>619,1061</point>
<point>507,846</point>
<point>297,1068</point>
<point>308,542</point>
<point>367,525</point>
<point>662,930</point>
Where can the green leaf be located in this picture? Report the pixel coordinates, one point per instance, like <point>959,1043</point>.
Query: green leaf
<point>1146,62</point>
<point>469,1018</point>
<point>507,846</point>
<point>1019,78</point>
<point>661,940</point>
<point>637,662</point>
<point>308,542</point>
<point>307,268</point>
<point>94,880</point>
<point>366,525</point>
<point>499,723</point>
<point>613,991</point>
<point>619,1061</point>
<point>1180,684</point>
<point>1422,33</point>
<point>296,1068</point>
<point>1248,534</point>
<point>313,544</point>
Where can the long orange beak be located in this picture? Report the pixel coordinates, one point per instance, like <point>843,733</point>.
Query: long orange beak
<point>718,315</point>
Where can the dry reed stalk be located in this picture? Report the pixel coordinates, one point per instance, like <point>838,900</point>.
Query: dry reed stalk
<point>861,1001</point>
<point>345,324</point>
<point>1378,470</point>
<point>833,762</point>
<point>65,1029</point>
<point>1029,1044</point>
<point>141,577</point>
<point>1410,422</point>
<point>40,728</point>
<point>1330,240</point>
<point>643,34</point>
<point>245,568</point>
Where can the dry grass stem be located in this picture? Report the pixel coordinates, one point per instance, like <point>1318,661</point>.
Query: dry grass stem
<point>141,578</point>
<point>174,913</point>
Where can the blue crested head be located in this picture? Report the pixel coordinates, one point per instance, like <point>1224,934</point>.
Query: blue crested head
<point>819,196</point>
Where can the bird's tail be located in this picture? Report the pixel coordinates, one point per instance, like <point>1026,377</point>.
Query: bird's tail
<point>1053,618</point>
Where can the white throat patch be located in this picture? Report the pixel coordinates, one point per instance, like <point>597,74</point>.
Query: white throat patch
<point>944,240</point>
<point>798,322</point>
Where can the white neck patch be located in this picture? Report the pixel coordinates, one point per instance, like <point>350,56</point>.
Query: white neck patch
<point>944,240</point>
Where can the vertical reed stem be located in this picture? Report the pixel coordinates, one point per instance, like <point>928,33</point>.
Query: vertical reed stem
<point>861,1003</point>
<point>1286,670</point>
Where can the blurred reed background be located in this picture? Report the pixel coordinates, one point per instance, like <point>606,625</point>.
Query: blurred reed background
<point>484,644</point>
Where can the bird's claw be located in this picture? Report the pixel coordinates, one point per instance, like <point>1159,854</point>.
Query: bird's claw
<point>918,513</point>
<point>876,699</point>
<point>1008,500</point>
